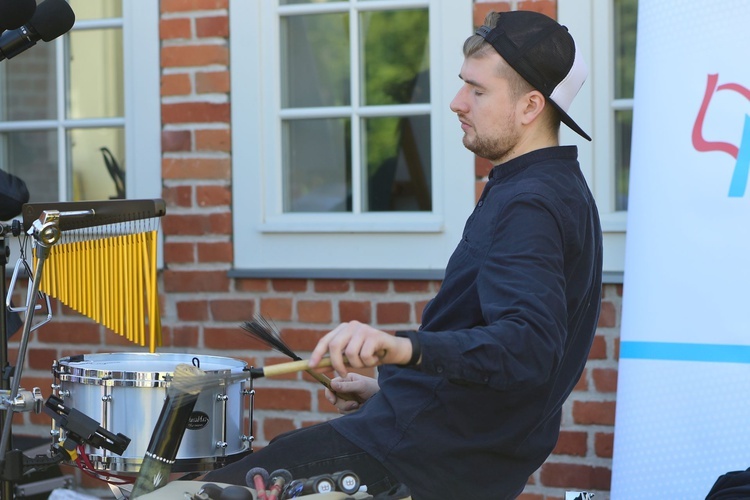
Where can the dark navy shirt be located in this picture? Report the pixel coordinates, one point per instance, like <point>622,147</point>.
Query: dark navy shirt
<point>503,342</point>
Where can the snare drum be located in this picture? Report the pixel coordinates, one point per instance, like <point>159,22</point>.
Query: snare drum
<point>125,393</point>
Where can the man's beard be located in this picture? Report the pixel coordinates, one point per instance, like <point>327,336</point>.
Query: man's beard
<point>493,150</point>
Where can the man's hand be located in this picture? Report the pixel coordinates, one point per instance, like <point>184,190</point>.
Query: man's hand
<point>355,384</point>
<point>362,345</point>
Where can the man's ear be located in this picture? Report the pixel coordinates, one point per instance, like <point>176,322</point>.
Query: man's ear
<point>533,105</point>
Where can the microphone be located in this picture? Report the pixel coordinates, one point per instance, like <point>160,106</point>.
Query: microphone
<point>15,13</point>
<point>51,19</point>
<point>257,477</point>
<point>278,479</point>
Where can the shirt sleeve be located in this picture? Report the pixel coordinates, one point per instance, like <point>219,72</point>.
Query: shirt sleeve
<point>520,286</point>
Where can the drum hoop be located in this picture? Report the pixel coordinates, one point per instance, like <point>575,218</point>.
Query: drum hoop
<point>87,373</point>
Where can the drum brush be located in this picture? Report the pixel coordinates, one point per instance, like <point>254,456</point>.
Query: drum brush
<point>261,329</point>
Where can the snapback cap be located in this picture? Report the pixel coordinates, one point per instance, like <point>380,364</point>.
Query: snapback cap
<point>543,52</point>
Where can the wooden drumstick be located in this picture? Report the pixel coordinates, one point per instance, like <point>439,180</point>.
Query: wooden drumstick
<point>286,368</point>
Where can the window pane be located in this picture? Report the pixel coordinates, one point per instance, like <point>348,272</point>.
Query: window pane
<point>623,136</point>
<point>96,74</point>
<point>397,152</point>
<point>29,85</point>
<point>86,9</point>
<point>395,55</point>
<point>317,165</point>
<point>90,178</point>
<point>625,14</point>
<point>315,60</point>
<point>32,156</point>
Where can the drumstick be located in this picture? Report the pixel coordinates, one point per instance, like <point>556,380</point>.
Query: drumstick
<point>288,367</point>
<point>261,329</point>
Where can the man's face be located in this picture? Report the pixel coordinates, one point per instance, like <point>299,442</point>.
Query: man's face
<point>486,109</point>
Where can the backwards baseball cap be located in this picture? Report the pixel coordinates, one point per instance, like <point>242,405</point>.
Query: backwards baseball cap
<point>544,54</point>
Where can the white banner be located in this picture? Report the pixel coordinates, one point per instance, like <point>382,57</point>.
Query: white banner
<point>683,401</point>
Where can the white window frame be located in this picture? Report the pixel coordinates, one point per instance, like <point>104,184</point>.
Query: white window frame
<point>142,115</point>
<point>591,22</point>
<point>268,242</point>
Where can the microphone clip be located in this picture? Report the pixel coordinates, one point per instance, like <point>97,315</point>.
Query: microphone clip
<point>82,429</point>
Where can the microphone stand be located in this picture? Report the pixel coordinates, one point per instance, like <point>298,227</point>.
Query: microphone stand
<point>6,370</point>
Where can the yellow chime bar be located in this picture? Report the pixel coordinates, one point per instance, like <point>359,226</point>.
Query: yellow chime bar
<point>112,280</point>
<point>104,265</point>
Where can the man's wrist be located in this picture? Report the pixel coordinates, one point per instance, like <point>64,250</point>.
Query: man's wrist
<point>416,349</point>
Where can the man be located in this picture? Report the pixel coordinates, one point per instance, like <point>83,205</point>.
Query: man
<point>469,406</point>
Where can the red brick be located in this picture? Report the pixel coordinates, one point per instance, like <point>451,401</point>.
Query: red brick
<point>213,140</point>
<point>314,311</point>
<point>232,309</point>
<point>196,168</point>
<point>220,223</point>
<point>372,286</point>
<point>607,316</point>
<point>572,443</point>
<point>65,332</point>
<point>251,285</point>
<point>482,167</point>
<point>408,286</point>
<point>481,10</point>
<point>583,383</point>
<point>594,412</point>
<point>598,348</point>
<point>277,309</point>
<point>175,56</point>
<point>289,285</point>
<point>192,310</point>
<point>604,444</point>
<point>195,112</point>
<point>189,224</point>
<point>302,339</point>
<point>207,27</point>
<point>178,196</point>
<point>228,339</point>
<point>215,252</point>
<point>393,312</point>
<point>272,427</point>
<point>419,309</point>
<point>605,380</point>
<point>175,28</point>
<point>176,84</point>
<point>546,7</point>
<point>559,475</point>
<point>530,496</point>
<point>478,188</point>
<point>213,196</point>
<point>190,5</point>
<point>212,82</point>
<point>40,359</point>
<point>179,253</point>
<point>331,286</point>
<point>181,336</point>
<point>283,399</point>
<point>195,281</point>
<point>176,140</point>
<point>351,310</point>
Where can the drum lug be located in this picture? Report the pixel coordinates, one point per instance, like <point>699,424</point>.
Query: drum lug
<point>221,397</point>
<point>222,444</point>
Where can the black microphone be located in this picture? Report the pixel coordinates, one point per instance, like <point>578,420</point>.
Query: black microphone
<point>51,19</point>
<point>15,13</point>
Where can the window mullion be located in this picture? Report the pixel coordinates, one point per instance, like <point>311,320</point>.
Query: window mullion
<point>61,59</point>
<point>357,74</point>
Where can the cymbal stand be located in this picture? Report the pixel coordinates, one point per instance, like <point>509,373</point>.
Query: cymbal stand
<point>46,233</point>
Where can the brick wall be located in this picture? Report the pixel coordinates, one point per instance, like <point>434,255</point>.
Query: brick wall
<point>202,306</point>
